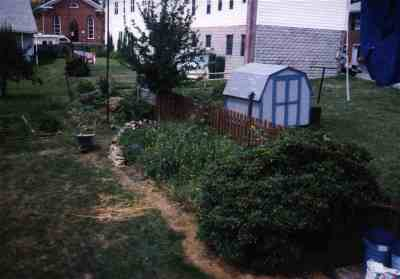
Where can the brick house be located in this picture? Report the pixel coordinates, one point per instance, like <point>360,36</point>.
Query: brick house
<point>297,33</point>
<point>82,21</point>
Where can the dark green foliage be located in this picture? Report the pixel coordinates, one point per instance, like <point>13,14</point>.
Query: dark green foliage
<point>85,86</point>
<point>267,208</point>
<point>77,67</point>
<point>48,122</point>
<point>177,153</point>
<point>216,65</point>
<point>163,53</point>
<point>134,108</point>
<point>13,64</point>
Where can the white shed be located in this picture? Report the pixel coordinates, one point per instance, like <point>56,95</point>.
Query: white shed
<point>282,95</point>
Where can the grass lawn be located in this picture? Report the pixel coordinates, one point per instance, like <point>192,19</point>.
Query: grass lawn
<point>61,218</point>
<point>371,119</point>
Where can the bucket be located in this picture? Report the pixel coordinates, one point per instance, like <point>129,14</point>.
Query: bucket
<point>377,245</point>
<point>396,255</point>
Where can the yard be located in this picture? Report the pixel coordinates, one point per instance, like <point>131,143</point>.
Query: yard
<point>371,120</point>
<point>61,216</point>
<point>64,218</point>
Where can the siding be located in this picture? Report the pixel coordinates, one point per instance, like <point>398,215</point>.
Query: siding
<point>218,43</point>
<point>223,18</point>
<point>300,48</point>
<point>320,14</point>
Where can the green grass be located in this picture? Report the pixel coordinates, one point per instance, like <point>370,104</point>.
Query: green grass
<point>371,120</point>
<point>59,217</point>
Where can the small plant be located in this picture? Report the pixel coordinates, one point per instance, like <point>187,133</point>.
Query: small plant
<point>85,86</point>
<point>83,118</point>
<point>48,122</point>
<point>133,108</point>
<point>77,67</point>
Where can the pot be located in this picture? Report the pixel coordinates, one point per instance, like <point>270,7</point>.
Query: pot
<point>86,142</point>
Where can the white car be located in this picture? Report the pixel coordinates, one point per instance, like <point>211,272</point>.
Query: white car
<point>41,39</point>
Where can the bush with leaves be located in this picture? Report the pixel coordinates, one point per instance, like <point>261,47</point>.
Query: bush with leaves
<point>133,108</point>
<point>85,86</point>
<point>77,67</point>
<point>269,207</point>
<point>177,153</point>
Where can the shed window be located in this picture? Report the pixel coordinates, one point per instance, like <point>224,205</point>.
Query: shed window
<point>56,25</point>
<point>208,40</point>
<point>90,27</point>
<point>116,7</point>
<point>229,44</point>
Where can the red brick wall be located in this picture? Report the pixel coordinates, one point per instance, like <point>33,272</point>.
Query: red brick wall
<point>45,23</point>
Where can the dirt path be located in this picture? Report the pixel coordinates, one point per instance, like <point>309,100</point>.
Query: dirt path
<point>180,221</point>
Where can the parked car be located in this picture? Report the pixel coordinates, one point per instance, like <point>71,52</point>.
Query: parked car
<point>41,39</point>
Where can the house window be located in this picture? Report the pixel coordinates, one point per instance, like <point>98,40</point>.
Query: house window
<point>231,4</point>
<point>116,7</point>
<point>208,40</point>
<point>90,27</point>
<point>208,7</point>
<point>56,25</point>
<point>193,7</point>
<point>219,5</point>
<point>73,4</point>
<point>243,45</point>
<point>132,6</point>
<point>229,44</point>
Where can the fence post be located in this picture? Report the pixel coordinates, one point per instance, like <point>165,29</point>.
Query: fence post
<point>250,115</point>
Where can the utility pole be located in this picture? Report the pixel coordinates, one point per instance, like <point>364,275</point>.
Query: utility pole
<point>108,63</point>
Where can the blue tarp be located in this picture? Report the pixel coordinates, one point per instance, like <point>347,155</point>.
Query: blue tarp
<point>380,39</point>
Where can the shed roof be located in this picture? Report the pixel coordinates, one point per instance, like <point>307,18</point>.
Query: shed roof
<point>18,14</point>
<point>251,78</point>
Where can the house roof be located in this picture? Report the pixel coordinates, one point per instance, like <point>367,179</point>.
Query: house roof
<point>50,4</point>
<point>251,78</point>
<point>18,14</point>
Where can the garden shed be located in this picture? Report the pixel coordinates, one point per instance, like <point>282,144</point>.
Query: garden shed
<point>282,95</point>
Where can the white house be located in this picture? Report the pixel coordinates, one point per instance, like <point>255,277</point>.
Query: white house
<point>298,33</point>
<point>18,15</point>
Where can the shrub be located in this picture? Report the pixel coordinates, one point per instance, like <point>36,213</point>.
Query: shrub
<point>216,65</point>
<point>177,153</point>
<point>133,108</point>
<point>273,206</point>
<point>77,67</point>
<point>48,122</point>
<point>85,86</point>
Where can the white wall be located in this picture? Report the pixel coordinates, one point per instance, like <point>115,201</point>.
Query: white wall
<point>117,22</point>
<point>225,17</point>
<point>319,14</point>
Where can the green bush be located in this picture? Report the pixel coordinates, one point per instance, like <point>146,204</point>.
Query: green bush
<point>270,207</point>
<point>85,86</point>
<point>47,122</point>
<point>77,67</point>
<point>133,108</point>
<point>177,153</point>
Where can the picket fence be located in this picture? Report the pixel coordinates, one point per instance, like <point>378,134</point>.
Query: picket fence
<point>244,130</point>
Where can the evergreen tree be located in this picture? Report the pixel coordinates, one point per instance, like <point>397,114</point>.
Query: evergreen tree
<point>166,49</point>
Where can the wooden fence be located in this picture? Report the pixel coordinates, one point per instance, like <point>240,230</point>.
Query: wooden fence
<point>244,130</point>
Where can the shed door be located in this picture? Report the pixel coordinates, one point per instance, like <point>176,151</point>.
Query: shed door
<point>286,99</point>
